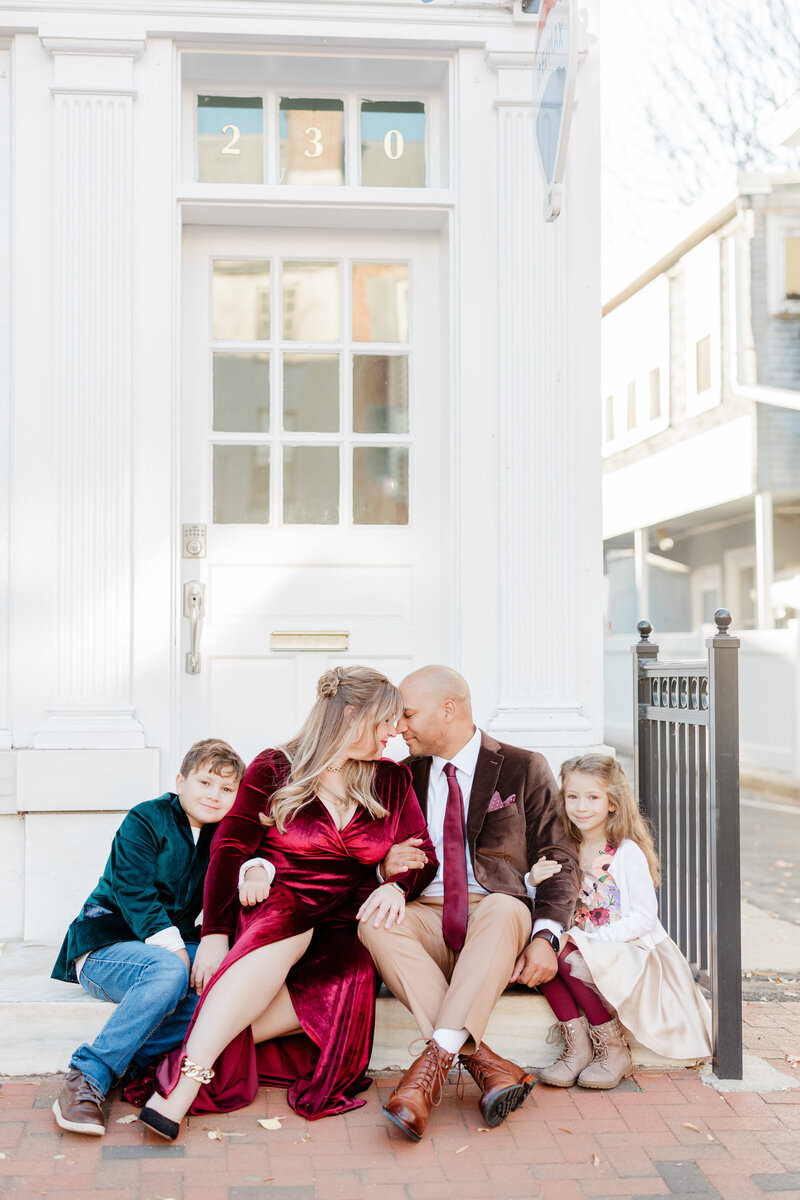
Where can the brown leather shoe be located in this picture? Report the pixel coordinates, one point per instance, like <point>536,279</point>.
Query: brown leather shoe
<point>77,1107</point>
<point>409,1105</point>
<point>503,1084</point>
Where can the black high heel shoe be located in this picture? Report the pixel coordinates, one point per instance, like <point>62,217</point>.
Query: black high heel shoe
<point>160,1124</point>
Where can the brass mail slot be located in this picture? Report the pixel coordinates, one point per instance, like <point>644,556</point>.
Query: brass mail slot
<point>303,640</point>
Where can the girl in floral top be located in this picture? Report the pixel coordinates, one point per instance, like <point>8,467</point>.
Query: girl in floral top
<point>616,957</point>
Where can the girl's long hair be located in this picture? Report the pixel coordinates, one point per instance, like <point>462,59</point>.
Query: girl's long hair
<point>626,821</point>
<point>351,701</point>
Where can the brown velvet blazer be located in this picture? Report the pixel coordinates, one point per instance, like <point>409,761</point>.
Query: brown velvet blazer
<point>504,843</point>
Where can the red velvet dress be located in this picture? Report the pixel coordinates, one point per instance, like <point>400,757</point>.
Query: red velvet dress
<point>322,876</point>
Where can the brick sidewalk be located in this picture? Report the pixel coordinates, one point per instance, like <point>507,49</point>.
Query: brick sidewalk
<point>636,1141</point>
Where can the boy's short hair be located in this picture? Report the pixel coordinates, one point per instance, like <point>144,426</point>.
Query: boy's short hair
<point>216,756</point>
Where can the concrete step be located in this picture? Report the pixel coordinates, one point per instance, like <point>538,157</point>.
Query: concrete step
<point>43,1020</point>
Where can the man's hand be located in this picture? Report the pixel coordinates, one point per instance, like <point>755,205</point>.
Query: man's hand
<point>386,904</point>
<point>210,953</point>
<point>537,964</point>
<point>255,887</point>
<point>404,856</point>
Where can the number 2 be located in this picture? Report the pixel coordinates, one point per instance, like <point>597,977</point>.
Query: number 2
<point>316,142</point>
<point>235,133</point>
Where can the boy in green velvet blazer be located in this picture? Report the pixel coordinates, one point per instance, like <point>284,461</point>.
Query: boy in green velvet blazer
<point>135,939</point>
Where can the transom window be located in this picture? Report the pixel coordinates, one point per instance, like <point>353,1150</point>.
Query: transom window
<point>311,410</point>
<point>311,141</point>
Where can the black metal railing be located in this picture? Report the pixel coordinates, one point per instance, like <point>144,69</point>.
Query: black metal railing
<point>686,768</point>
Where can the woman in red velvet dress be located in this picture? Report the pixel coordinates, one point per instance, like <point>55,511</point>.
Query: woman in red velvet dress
<point>323,813</point>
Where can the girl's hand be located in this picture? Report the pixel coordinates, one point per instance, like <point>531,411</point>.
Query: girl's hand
<point>210,953</point>
<point>255,887</point>
<point>545,868</point>
<point>386,904</point>
<point>403,856</point>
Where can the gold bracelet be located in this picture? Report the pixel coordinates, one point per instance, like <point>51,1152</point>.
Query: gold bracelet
<point>201,1074</point>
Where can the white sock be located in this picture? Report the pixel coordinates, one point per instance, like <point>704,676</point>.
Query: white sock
<point>451,1040</point>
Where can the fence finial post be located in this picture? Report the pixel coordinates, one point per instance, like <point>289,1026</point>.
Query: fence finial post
<point>644,651</point>
<point>645,629</point>
<point>723,619</point>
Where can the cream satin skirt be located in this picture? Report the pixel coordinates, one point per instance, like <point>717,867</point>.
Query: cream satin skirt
<point>653,992</point>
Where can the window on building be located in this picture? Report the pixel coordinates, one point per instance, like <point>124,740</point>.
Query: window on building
<point>655,393</point>
<point>631,407</point>
<point>609,418</point>
<point>703,364</point>
<point>792,250</point>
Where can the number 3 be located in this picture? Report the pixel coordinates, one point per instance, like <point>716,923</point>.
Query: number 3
<point>316,142</point>
<point>235,133</point>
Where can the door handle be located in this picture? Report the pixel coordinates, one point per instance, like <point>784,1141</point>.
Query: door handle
<point>194,607</point>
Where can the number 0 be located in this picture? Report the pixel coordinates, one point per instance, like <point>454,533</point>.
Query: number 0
<point>235,133</point>
<point>393,144</point>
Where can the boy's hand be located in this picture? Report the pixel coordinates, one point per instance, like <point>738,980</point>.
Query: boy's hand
<point>255,887</point>
<point>210,953</point>
<point>545,868</point>
<point>404,856</point>
<point>387,903</point>
<point>184,957</point>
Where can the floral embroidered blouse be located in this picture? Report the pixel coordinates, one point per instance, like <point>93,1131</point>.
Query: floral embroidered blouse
<point>598,901</point>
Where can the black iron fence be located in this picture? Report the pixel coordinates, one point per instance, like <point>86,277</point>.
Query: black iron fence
<point>686,768</point>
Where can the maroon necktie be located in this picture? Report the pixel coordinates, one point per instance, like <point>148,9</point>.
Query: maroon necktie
<point>454,868</point>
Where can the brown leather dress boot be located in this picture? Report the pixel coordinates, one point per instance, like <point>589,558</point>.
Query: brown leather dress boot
<point>409,1105</point>
<point>77,1106</point>
<point>503,1084</point>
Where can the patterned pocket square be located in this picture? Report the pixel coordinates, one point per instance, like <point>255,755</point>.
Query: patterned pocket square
<point>496,803</point>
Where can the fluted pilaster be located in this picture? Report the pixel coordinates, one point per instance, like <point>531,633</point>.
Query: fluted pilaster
<point>93,100</point>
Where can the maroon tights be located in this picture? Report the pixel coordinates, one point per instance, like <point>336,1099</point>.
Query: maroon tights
<point>567,995</point>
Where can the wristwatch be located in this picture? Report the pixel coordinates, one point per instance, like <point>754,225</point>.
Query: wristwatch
<point>551,938</point>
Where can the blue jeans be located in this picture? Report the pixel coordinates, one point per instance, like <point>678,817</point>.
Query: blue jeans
<point>149,987</point>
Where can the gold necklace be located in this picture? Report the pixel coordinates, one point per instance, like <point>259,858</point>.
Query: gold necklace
<point>335,770</point>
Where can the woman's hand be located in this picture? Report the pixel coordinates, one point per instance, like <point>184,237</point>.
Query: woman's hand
<point>210,953</point>
<point>386,905</point>
<point>545,868</point>
<point>404,856</point>
<point>255,887</point>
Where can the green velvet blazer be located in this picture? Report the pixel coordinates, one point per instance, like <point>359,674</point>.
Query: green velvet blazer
<point>153,879</point>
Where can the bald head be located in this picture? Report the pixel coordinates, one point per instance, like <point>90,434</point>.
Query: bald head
<point>437,711</point>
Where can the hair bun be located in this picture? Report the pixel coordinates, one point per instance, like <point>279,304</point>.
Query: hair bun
<point>328,685</point>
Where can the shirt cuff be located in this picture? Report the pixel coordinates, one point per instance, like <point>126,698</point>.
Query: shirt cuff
<point>530,888</point>
<point>257,862</point>
<point>550,926</point>
<point>167,939</point>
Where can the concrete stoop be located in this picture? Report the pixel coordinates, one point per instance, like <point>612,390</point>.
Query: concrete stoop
<point>43,1020</point>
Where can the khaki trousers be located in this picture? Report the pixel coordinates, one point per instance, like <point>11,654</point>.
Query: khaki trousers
<point>445,990</point>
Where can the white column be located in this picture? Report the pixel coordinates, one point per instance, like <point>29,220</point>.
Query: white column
<point>641,571</point>
<point>93,100</point>
<point>765,560</point>
<point>550,576</point>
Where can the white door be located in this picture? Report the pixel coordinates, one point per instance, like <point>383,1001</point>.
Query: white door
<point>311,413</point>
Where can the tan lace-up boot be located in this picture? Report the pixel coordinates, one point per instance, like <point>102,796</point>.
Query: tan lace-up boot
<point>612,1059</point>
<point>410,1104</point>
<point>577,1052</point>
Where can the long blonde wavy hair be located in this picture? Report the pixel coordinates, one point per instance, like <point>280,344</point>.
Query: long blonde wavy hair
<point>626,821</point>
<point>350,701</point>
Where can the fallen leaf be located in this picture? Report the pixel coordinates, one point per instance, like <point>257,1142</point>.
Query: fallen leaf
<point>689,1125</point>
<point>709,1137</point>
<point>595,1161</point>
<point>792,1058</point>
<point>561,1129</point>
<point>127,1120</point>
<point>306,1138</point>
<point>483,1129</point>
<point>54,1156</point>
<point>215,1135</point>
<point>57,1156</point>
<point>271,1122</point>
<point>461,1149</point>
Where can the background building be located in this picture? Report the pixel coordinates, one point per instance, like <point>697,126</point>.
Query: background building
<point>289,355</point>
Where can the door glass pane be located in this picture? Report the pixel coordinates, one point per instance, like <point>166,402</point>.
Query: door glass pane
<point>241,300</point>
<point>380,485</point>
<point>230,139</point>
<point>312,142</point>
<point>241,485</point>
<point>311,485</point>
<point>380,302</point>
<point>311,301</point>
<point>311,393</point>
<point>392,143</point>
<point>380,393</point>
<point>241,393</point>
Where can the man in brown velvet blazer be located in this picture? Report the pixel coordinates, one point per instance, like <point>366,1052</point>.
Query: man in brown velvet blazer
<point>490,814</point>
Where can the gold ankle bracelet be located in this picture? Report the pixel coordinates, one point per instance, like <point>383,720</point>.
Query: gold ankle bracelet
<point>201,1074</point>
